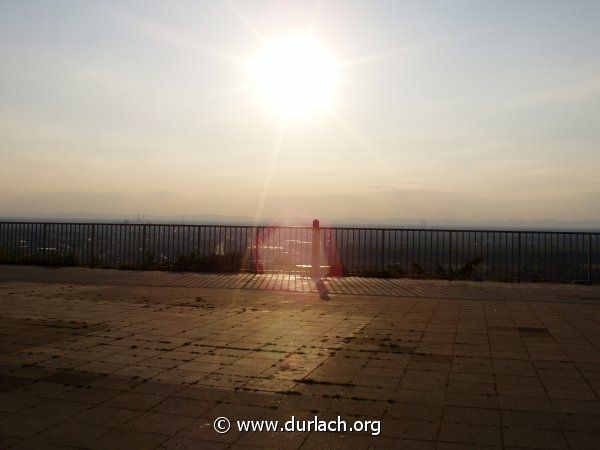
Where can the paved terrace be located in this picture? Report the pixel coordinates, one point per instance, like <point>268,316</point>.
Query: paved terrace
<point>124,359</point>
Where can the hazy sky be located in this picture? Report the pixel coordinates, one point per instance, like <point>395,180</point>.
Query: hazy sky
<point>468,110</point>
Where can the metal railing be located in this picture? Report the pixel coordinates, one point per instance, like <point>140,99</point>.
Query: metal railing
<point>338,251</point>
<point>482,254</point>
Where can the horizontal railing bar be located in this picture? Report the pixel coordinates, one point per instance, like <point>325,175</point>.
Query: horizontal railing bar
<point>465,230</point>
<point>251,227</point>
<point>157,224</point>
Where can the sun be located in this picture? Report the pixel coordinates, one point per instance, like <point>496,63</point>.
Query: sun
<point>296,75</point>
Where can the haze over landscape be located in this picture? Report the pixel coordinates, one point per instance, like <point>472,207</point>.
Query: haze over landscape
<point>463,112</point>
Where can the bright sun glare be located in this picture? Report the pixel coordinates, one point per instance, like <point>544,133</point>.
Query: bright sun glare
<point>296,75</point>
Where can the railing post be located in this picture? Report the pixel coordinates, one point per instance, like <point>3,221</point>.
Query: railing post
<point>256,246</point>
<point>316,240</point>
<point>450,254</point>
<point>382,250</point>
<point>589,260</point>
<point>519,259</point>
<point>44,242</point>
<point>144,245</point>
<point>91,255</point>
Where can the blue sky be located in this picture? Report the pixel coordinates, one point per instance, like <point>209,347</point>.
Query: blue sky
<point>462,110</point>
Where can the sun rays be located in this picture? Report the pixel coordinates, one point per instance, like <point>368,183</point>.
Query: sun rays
<point>294,74</point>
<point>297,76</point>
<point>282,66</point>
<point>269,175</point>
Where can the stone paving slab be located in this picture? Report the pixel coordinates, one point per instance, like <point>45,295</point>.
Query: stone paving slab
<point>124,359</point>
